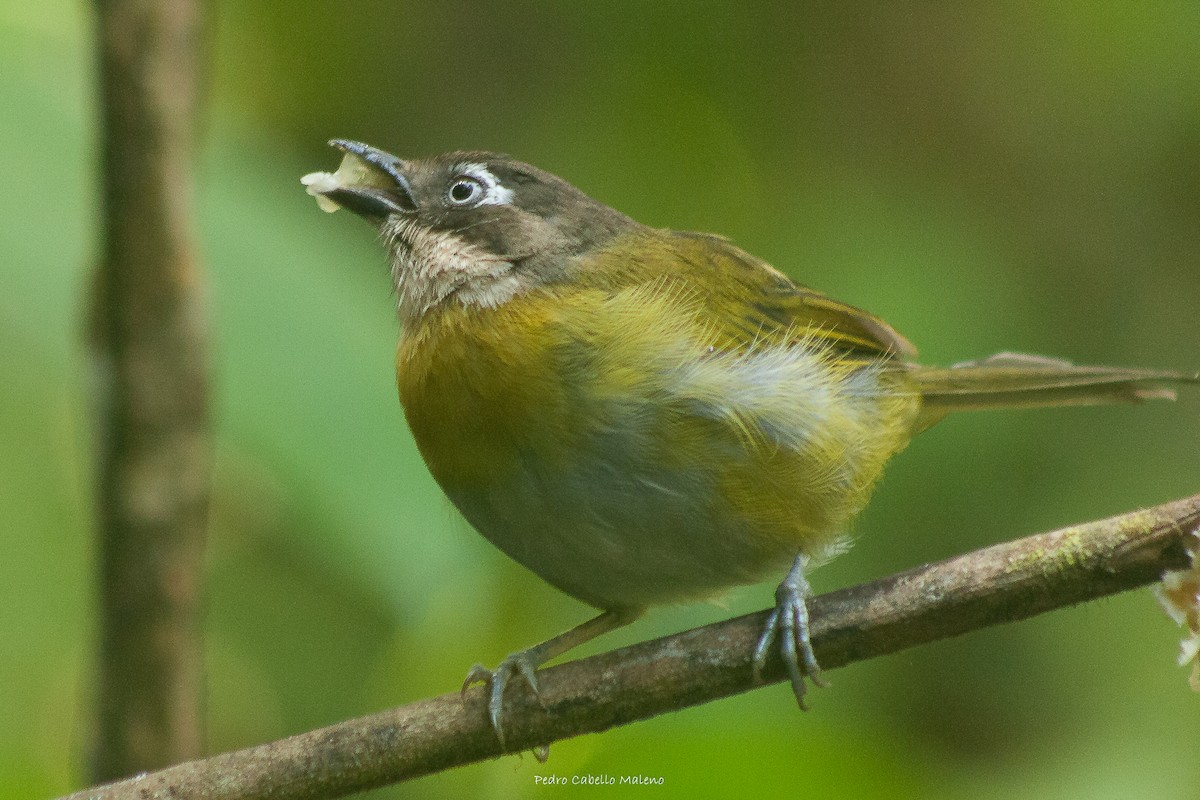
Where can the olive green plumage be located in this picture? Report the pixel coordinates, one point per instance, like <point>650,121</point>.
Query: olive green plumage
<point>643,416</point>
<point>623,435</point>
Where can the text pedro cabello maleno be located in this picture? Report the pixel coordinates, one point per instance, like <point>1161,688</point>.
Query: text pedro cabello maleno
<point>597,780</point>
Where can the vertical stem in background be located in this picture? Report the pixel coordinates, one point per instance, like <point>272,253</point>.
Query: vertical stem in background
<point>150,356</point>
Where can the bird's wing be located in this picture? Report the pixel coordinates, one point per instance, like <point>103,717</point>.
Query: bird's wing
<point>750,300</point>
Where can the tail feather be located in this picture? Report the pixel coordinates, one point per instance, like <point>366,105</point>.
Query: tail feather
<point>1015,380</point>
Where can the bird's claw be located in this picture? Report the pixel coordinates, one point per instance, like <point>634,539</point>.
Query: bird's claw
<point>518,664</point>
<point>789,624</point>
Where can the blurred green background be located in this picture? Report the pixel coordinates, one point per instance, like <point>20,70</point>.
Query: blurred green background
<point>1017,176</point>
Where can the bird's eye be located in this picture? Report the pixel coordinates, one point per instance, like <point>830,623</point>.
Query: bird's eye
<point>465,191</point>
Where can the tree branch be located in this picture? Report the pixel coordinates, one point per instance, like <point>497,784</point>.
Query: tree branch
<point>1004,583</point>
<point>149,358</point>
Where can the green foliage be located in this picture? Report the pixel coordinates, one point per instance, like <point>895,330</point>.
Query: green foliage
<point>994,178</point>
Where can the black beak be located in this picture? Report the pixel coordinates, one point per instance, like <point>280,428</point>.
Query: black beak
<point>374,202</point>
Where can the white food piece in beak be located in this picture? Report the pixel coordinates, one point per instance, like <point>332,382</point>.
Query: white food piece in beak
<point>352,172</point>
<point>317,184</point>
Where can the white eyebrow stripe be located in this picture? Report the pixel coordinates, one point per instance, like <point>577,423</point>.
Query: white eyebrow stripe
<point>494,193</point>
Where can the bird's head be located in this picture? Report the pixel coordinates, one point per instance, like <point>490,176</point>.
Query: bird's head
<point>472,227</point>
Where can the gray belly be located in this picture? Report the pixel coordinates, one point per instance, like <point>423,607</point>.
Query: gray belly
<point>613,536</point>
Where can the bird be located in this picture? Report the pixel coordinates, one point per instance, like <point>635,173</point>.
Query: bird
<point>642,416</point>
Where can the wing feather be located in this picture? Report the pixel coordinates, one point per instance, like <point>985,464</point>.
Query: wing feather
<point>749,298</point>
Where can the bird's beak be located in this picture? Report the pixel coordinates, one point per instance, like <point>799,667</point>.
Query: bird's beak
<point>369,182</point>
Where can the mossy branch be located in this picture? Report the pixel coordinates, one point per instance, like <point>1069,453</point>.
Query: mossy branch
<point>1004,583</point>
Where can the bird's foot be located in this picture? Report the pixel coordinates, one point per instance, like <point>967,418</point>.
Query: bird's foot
<point>522,664</point>
<point>789,624</point>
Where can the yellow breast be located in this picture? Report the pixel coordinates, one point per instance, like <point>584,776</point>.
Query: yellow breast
<point>613,440</point>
